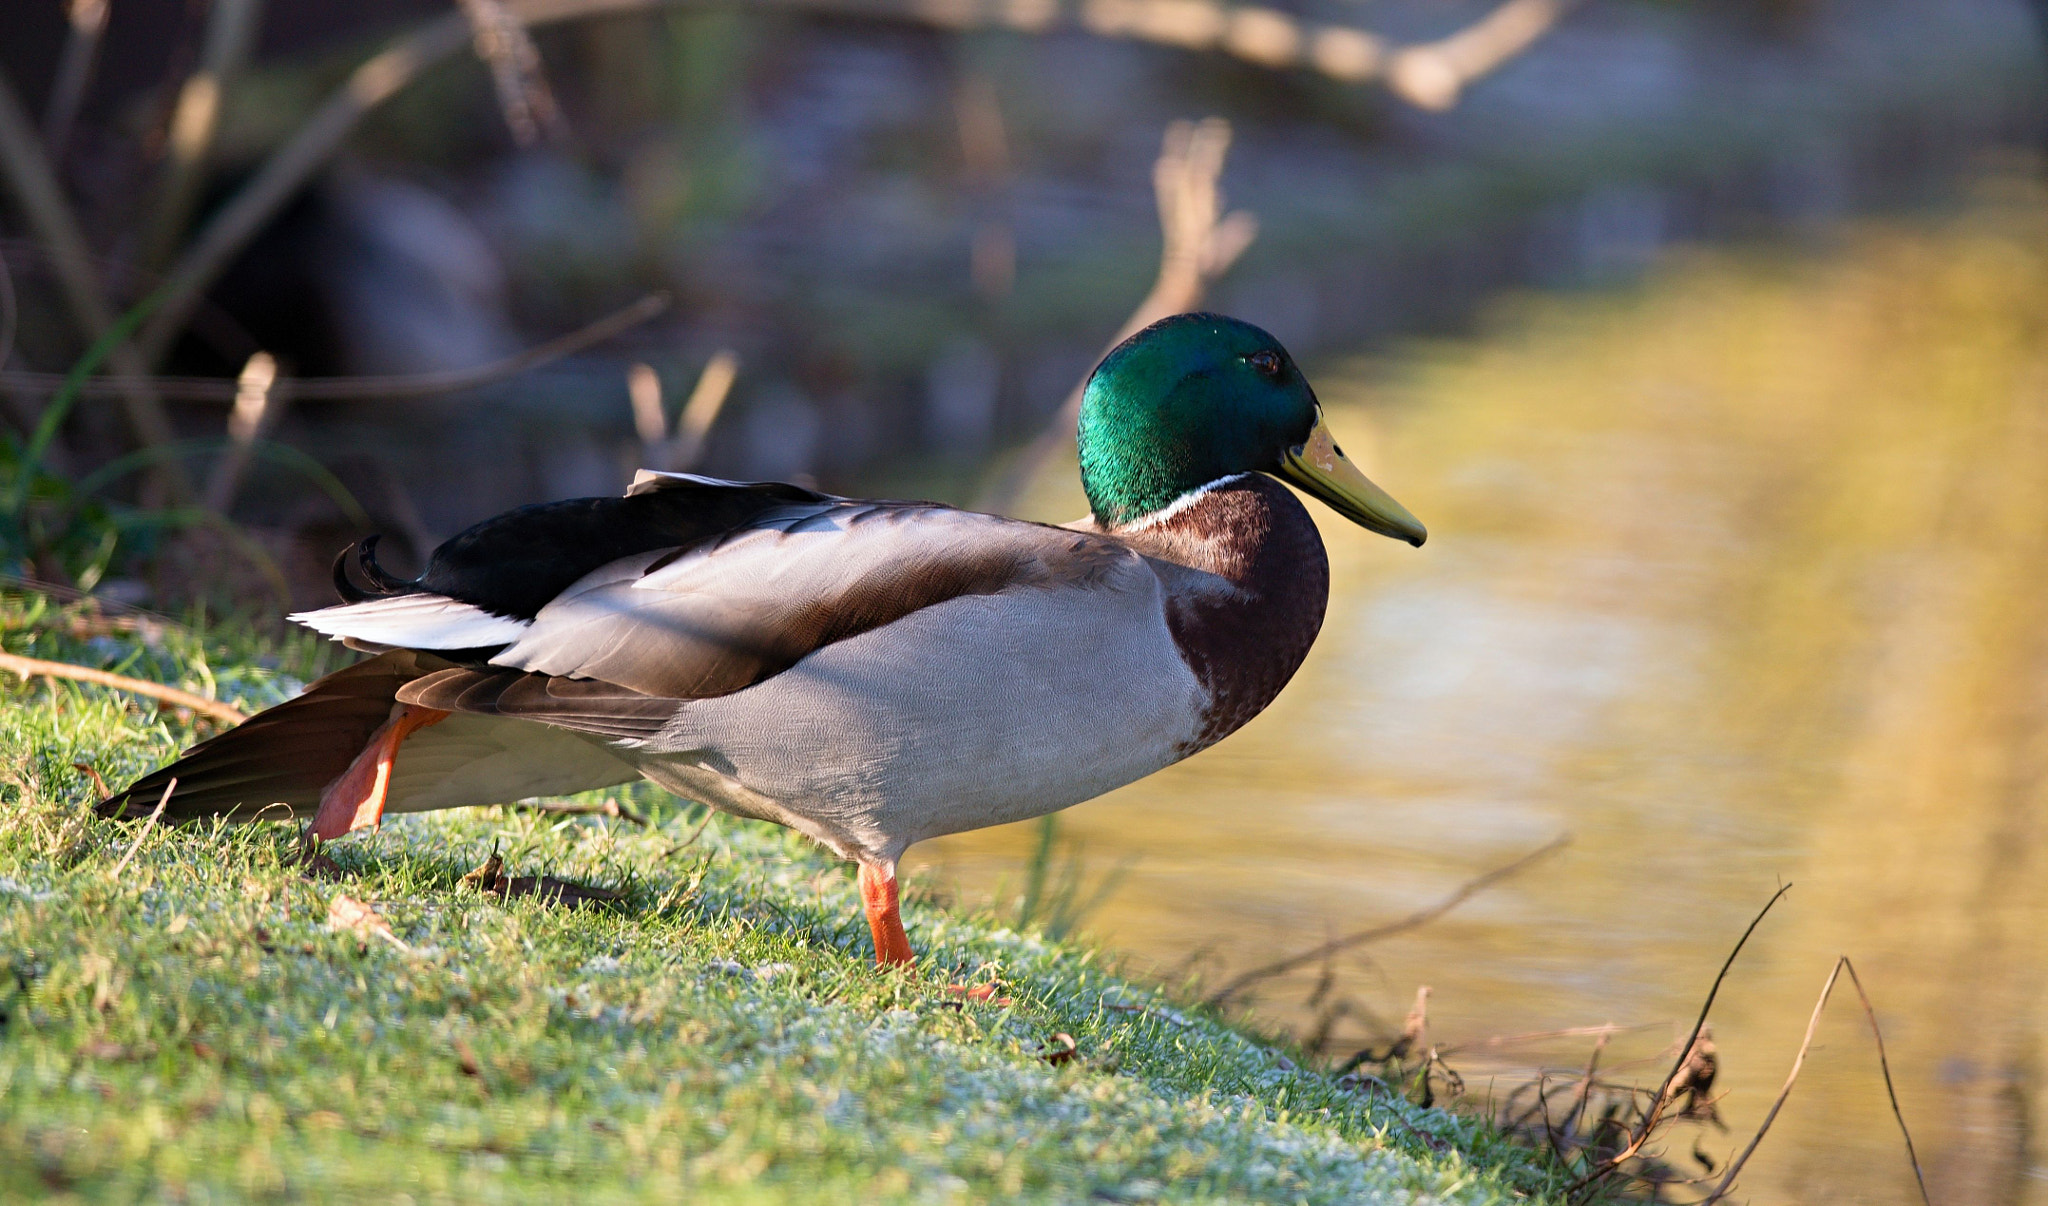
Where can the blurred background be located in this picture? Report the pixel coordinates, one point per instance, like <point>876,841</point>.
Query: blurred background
<point>1708,338</point>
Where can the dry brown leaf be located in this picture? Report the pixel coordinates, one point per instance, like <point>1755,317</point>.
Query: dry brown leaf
<point>1060,1050</point>
<point>350,915</point>
<point>491,877</point>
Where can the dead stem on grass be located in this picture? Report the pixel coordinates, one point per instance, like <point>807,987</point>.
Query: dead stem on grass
<point>148,826</point>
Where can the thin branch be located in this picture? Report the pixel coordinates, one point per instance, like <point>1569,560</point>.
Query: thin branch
<point>1798,1061</point>
<point>34,184</point>
<point>1252,32</point>
<point>608,808</point>
<point>374,389</point>
<point>1664,1091</point>
<point>1414,920</point>
<point>88,21</point>
<point>1435,74</point>
<point>288,169</point>
<point>524,97</point>
<point>29,667</point>
<point>230,28</point>
<point>1198,244</point>
<point>147,826</point>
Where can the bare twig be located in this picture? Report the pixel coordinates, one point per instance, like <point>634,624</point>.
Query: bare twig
<point>1665,1091</point>
<point>1585,1089</point>
<point>29,667</point>
<point>1252,32</point>
<point>1414,920</point>
<point>1433,75</point>
<point>88,21</point>
<point>374,389</point>
<point>147,825</point>
<point>608,808</point>
<point>698,832</point>
<point>1798,1061</point>
<point>34,184</point>
<point>1884,1065</point>
<point>524,97</point>
<point>1199,244</point>
<point>230,28</point>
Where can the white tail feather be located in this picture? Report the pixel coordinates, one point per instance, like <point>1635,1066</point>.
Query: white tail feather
<point>414,622</point>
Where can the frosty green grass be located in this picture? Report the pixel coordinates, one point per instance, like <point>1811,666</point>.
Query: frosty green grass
<point>194,1029</point>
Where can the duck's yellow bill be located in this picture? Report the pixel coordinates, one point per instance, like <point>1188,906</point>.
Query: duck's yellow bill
<point>1317,467</point>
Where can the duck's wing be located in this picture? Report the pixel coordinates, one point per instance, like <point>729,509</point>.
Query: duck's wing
<point>618,650</point>
<point>483,587</point>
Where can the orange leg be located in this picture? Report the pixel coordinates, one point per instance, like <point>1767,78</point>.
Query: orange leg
<point>356,799</point>
<point>885,919</point>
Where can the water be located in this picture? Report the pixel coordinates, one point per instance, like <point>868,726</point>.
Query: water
<point>1738,578</point>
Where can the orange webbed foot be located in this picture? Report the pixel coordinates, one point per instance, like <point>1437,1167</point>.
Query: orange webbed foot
<point>356,799</point>
<point>885,915</point>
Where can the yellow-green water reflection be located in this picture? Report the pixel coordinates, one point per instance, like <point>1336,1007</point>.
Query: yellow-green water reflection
<point>1739,578</point>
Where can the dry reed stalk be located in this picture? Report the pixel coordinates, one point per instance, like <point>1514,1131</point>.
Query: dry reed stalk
<point>1665,1091</point>
<point>255,411</point>
<point>195,120</point>
<point>701,410</point>
<point>1798,1062</point>
<point>1198,244</point>
<point>147,826</point>
<point>228,232</point>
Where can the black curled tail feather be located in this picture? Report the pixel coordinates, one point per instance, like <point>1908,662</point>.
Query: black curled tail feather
<point>383,583</point>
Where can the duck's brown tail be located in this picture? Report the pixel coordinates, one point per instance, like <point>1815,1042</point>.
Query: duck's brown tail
<point>275,764</point>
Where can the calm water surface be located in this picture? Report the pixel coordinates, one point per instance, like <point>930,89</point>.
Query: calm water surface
<point>1739,578</point>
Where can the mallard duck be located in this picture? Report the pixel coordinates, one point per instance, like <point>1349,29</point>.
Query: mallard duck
<point>868,673</point>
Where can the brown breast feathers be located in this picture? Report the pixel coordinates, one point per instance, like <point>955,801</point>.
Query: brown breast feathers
<point>1243,645</point>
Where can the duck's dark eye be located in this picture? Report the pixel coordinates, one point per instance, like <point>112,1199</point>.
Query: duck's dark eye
<point>1268,363</point>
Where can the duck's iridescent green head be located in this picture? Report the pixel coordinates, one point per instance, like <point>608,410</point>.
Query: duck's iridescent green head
<point>1198,397</point>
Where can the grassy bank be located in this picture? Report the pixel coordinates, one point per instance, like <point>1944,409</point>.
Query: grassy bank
<point>193,1025</point>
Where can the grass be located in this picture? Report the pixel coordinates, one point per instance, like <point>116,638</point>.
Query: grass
<point>194,1029</point>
